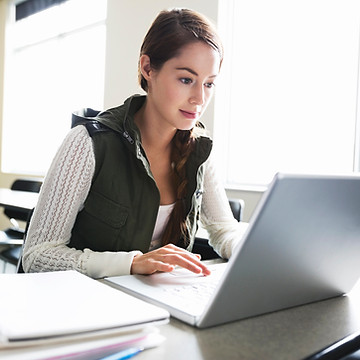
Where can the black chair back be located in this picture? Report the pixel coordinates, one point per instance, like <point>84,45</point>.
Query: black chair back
<point>29,185</point>
<point>18,251</point>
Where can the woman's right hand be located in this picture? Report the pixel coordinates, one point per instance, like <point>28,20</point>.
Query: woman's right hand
<point>165,259</point>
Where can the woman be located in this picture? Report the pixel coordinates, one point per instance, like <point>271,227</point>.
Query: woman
<point>126,189</point>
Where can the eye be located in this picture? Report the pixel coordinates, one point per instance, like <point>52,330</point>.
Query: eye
<point>210,85</point>
<point>186,81</point>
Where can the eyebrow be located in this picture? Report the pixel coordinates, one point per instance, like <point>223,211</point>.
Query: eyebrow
<point>191,71</point>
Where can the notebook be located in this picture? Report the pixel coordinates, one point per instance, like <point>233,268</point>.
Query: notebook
<point>302,245</point>
<point>47,306</point>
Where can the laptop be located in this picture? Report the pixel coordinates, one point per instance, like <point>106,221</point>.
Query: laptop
<point>302,245</point>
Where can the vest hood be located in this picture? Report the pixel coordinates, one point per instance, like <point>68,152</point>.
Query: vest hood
<point>120,119</point>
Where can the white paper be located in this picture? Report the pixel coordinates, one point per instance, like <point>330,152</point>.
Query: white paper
<point>66,302</point>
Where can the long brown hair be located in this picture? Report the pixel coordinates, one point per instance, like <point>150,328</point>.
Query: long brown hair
<point>168,34</point>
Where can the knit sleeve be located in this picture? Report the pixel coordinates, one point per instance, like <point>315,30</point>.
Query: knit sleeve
<point>225,232</point>
<point>62,196</point>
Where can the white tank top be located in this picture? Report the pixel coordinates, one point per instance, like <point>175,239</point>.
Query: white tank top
<point>161,222</point>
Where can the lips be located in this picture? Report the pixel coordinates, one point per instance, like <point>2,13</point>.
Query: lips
<point>189,114</point>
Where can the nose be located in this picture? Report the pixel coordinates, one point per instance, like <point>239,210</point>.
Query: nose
<point>197,95</point>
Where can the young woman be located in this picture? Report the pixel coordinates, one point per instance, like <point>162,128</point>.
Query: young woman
<point>127,188</point>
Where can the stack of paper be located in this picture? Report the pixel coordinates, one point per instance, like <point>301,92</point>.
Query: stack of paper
<point>68,315</point>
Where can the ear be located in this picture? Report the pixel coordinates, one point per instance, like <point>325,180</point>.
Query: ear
<point>145,67</point>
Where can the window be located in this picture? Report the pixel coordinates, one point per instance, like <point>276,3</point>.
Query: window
<point>287,99</point>
<point>55,64</point>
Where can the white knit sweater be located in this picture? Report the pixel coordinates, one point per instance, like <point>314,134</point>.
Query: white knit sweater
<point>62,196</point>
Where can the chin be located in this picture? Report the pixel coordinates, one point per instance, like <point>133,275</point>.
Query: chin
<point>188,126</point>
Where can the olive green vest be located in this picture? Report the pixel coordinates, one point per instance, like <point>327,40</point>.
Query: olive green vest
<point>120,211</point>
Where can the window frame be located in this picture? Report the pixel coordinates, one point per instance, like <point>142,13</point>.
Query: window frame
<point>73,30</point>
<point>223,125</point>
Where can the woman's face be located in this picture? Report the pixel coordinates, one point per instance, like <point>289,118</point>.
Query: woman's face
<point>180,91</point>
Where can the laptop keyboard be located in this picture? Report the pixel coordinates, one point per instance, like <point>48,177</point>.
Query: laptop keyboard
<point>199,289</point>
<point>199,292</point>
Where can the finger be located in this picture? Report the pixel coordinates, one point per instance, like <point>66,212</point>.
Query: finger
<point>178,250</point>
<point>193,260</point>
<point>188,262</point>
<point>147,266</point>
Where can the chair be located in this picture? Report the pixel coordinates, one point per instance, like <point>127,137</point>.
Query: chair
<point>12,237</point>
<point>201,245</point>
<point>16,253</point>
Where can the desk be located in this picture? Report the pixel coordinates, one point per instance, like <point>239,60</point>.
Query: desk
<point>290,334</point>
<point>18,200</point>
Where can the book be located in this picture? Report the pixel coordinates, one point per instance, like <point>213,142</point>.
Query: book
<point>83,347</point>
<point>61,308</point>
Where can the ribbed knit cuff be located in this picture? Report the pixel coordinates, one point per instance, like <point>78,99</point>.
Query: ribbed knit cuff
<point>103,264</point>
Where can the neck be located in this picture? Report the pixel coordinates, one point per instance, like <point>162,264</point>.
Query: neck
<point>155,136</point>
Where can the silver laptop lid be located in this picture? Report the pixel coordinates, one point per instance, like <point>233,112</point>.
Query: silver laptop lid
<point>302,245</point>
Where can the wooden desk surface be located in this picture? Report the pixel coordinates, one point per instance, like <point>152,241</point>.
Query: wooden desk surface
<point>289,334</point>
<point>18,199</point>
